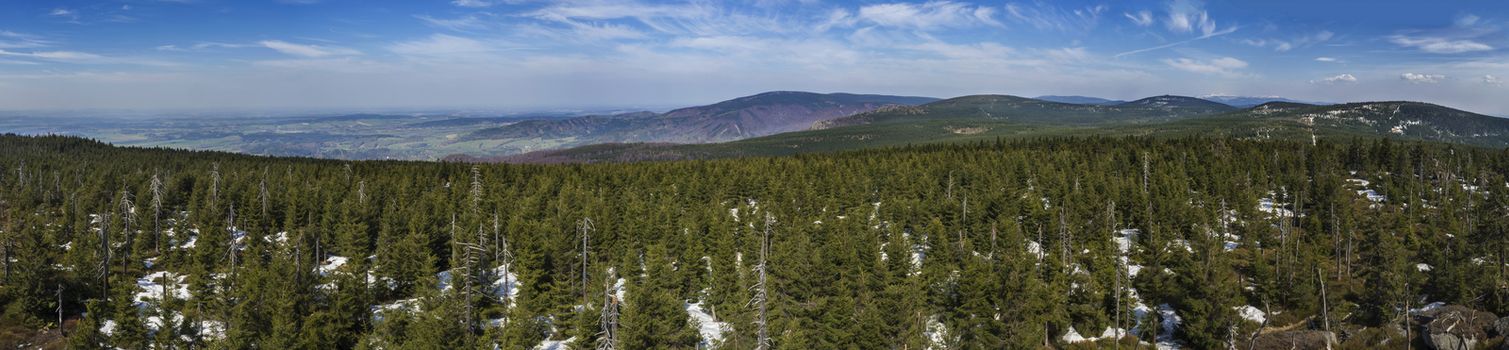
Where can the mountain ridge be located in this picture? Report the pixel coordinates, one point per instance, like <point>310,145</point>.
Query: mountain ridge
<point>749,116</point>
<point>1403,120</point>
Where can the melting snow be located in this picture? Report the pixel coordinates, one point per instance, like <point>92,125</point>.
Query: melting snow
<point>556,344</point>
<point>330,265</point>
<point>1252,313</point>
<point>148,287</point>
<point>1171,323</point>
<point>711,330</point>
<point>1427,307</point>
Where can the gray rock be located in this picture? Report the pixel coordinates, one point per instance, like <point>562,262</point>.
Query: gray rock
<point>1456,327</point>
<point>1448,341</point>
<point>1292,340</point>
<point>1501,327</point>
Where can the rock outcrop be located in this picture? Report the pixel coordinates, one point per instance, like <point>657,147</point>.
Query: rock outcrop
<point>1455,327</point>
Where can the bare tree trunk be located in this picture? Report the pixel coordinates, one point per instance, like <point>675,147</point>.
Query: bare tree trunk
<point>156,188</point>
<point>1325,303</point>
<point>761,298</point>
<point>586,232</point>
<point>105,251</point>
<point>607,339</point>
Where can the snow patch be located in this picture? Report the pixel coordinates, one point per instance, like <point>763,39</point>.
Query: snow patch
<point>710,329</point>
<point>149,287</point>
<point>1252,313</point>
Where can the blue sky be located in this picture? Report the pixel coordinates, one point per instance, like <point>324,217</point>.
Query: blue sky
<point>527,54</point>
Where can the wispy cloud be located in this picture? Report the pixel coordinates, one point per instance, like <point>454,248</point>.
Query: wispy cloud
<point>66,56</point>
<point>1422,78</point>
<point>1284,45</point>
<point>1439,45</point>
<point>1222,65</point>
<point>1044,16</point>
<point>1188,15</point>
<point>14,40</point>
<point>927,16</point>
<point>304,50</point>
<point>1177,43</point>
<point>1141,18</point>
<point>1329,59</point>
<point>1492,80</point>
<point>442,46</point>
<point>1467,20</point>
<point>1184,16</point>
<point>1336,79</point>
<point>464,23</point>
<point>204,46</point>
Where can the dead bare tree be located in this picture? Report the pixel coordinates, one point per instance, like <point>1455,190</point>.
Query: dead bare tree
<point>156,188</point>
<point>476,190</point>
<point>262,194</point>
<point>607,339</point>
<point>762,296</point>
<point>128,214</point>
<point>1120,267</point>
<point>214,184</point>
<point>105,253</point>
<point>585,230</point>
<point>502,255</point>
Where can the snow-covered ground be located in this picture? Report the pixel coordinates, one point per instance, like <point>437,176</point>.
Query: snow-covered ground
<point>149,288</point>
<point>1171,323</point>
<point>1267,205</point>
<point>1251,313</point>
<point>710,329</point>
<point>1110,333</point>
<point>556,344</point>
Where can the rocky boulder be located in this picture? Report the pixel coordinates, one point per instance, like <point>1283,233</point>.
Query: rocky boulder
<point>1502,327</point>
<point>1295,340</point>
<point>1455,327</point>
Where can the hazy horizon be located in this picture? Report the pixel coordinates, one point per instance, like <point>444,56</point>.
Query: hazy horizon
<point>531,55</point>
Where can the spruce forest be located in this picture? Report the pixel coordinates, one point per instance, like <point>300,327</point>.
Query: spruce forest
<point>1048,243</point>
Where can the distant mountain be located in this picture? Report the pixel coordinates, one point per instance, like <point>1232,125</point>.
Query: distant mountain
<point>994,117</point>
<point>1172,102</point>
<point>1021,109</point>
<point>1398,119</point>
<point>1082,100</point>
<point>1250,101</point>
<point>752,116</point>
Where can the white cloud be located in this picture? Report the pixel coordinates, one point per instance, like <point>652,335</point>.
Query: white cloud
<point>1044,16</point>
<point>1284,45</point>
<point>1187,15</point>
<point>53,55</point>
<point>445,47</point>
<point>487,3</point>
<point>1466,20</point>
<point>464,23</point>
<point>1439,45</point>
<point>1223,65</point>
<point>63,12</point>
<point>1141,18</point>
<point>14,40</point>
<point>838,18</point>
<point>1337,79</point>
<point>1177,43</point>
<point>1328,59</point>
<point>926,16</point>
<point>1492,80</point>
<point>309,51</point>
<point>1414,78</point>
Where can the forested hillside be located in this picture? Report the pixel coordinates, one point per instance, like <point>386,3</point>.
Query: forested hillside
<point>1201,243</point>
